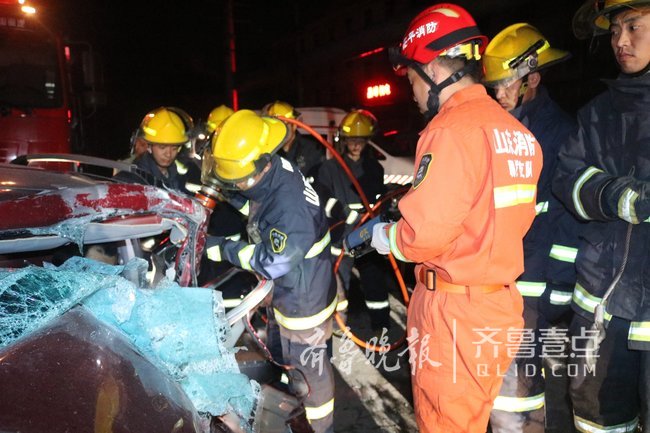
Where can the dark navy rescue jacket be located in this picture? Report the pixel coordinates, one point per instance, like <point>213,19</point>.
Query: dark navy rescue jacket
<point>609,157</point>
<point>288,243</point>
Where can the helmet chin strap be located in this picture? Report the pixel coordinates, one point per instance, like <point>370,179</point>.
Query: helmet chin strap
<point>433,101</point>
<point>522,91</point>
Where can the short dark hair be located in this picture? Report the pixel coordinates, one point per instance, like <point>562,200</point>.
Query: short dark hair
<point>455,64</point>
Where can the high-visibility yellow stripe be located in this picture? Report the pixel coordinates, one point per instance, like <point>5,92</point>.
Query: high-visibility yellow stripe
<point>513,195</point>
<point>245,209</point>
<point>245,255</point>
<point>560,298</point>
<point>214,253</point>
<point>541,207</point>
<point>342,306</point>
<point>585,426</point>
<point>563,253</point>
<point>575,194</point>
<point>626,207</point>
<point>639,331</point>
<point>377,305</point>
<point>180,167</point>
<point>329,205</point>
<point>352,217</point>
<point>192,187</point>
<point>356,206</point>
<point>319,246</point>
<point>320,412</point>
<point>302,323</point>
<point>392,241</point>
<point>519,404</point>
<point>587,301</point>
<point>584,299</point>
<point>531,288</point>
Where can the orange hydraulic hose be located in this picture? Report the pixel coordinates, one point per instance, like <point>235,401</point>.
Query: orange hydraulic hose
<point>370,212</point>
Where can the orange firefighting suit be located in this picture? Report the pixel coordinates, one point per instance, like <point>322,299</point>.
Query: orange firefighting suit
<point>472,201</point>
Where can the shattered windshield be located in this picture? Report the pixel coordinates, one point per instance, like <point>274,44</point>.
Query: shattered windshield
<point>181,330</point>
<point>29,72</point>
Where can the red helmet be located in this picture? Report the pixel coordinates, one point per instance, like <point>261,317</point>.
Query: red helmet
<point>442,29</point>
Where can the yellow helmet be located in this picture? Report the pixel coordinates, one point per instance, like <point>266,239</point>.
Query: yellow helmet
<point>280,108</point>
<point>358,123</point>
<point>244,145</point>
<point>515,52</point>
<point>217,116</point>
<point>166,125</point>
<point>601,20</point>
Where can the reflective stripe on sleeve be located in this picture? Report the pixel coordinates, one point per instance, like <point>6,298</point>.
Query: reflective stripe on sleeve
<point>320,412</point>
<point>531,288</point>
<point>319,246</point>
<point>392,242</point>
<point>541,207</point>
<point>342,306</point>
<point>377,305</point>
<point>513,195</point>
<point>639,331</point>
<point>245,209</point>
<point>587,301</point>
<point>180,167</point>
<point>585,426</point>
<point>563,253</point>
<point>626,206</point>
<point>560,298</point>
<point>356,206</point>
<point>352,217</point>
<point>245,255</point>
<point>331,202</point>
<point>192,187</point>
<point>575,194</point>
<point>302,323</point>
<point>519,404</point>
<point>584,299</point>
<point>336,251</point>
<point>214,253</point>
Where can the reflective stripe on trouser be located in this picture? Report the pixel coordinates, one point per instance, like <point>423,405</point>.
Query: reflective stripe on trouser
<point>609,398</point>
<point>519,408</point>
<point>307,351</point>
<point>375,281</point>
<point>453,390</point>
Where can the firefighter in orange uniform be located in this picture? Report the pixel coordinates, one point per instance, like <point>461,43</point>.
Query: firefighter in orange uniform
<point>463,221</point>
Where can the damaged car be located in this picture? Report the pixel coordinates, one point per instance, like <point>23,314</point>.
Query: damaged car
<point>103,325</point>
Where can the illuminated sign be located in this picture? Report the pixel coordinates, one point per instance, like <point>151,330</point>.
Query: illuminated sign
<point>378,91</point>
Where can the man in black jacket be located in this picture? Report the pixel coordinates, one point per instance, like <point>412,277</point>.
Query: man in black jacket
<point>166,131</point>
<point>514,61</point>
<point>288,243</point>
<point>604,178</point>
<point>343,205</point>
<point>301,149</point>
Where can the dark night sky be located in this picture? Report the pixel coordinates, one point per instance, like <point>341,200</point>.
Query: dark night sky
<point>172,53</point>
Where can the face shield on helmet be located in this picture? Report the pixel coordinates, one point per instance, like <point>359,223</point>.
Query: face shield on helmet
<point>515,52</point>
<point>593,17</point>
<point>441,30</point>
<point>242,148</point>
<point>608,8</point>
